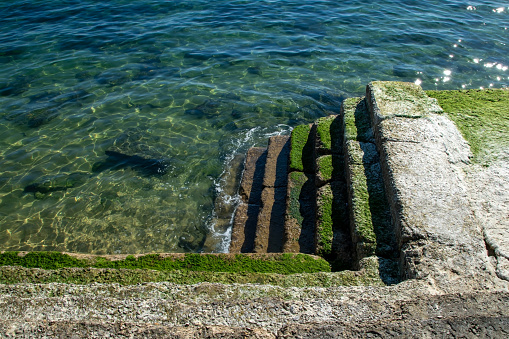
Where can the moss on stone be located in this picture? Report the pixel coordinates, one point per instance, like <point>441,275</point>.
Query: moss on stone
<point>301,153</point>
<point>368,275</point>
<point>324,222</point>
<point>402,99</point>
<point>362,220</point>
<point>482,116</point>
<point>356,120</point>
<point>370,213</point>
<point>283,263</point>
<point>328,134</point>
<point>324,168</point>
<point>296,181</point>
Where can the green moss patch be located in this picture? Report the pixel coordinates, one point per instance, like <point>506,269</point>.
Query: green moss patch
<point>331,213</point>
<point>301,153</point>
<point>402,99</point>
<point>482,116</point>
<point>329,134</point>
<point>356,120</point>
<point>368,276</point>
<point>324,233</point>
<point>296,181</point>
<point>324,168</point>
<point>281,263</point>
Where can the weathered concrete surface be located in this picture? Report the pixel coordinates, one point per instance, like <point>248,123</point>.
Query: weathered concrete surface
<point>246,214</point>
<point>490,198</point>
<point>257,311</point>
<point>424,158</point>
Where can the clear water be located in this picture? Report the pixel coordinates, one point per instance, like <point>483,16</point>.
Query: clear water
<point>178,88</point>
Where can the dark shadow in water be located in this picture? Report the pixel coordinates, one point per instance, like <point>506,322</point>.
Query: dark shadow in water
<point>145,167</point>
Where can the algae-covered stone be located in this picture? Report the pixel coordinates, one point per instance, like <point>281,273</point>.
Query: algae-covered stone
<point>329,168</point>
<point>357,124</point>
<point>300,213</point>
<point>399,99</point>
<point>369,210</point>
<point>328,134</point>
<point>482,116</point>
<point>331,211</point>
<point>301,149</point>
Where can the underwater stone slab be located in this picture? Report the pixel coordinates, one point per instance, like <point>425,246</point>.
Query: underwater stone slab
<point>252,176</point>
<point>271,220</point>
<point>276,166</point>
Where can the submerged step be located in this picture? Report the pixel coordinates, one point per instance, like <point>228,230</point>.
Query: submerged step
<point>270,225</point>
<point>246,214</point>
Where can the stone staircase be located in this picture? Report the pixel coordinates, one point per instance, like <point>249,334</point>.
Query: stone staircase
<point>318,191</point>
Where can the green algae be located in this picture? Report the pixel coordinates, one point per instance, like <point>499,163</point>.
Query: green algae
<point>402,99</point>
<point>357,124</point>
<point>324,222</point>
<point>324,168</point>
<point>296,181</point>
<point>371,221</point>
<point>281,264</point>
<point>367,276</point>
<point>301,153</point>
<point>482,116</point>
<point>323,127</point>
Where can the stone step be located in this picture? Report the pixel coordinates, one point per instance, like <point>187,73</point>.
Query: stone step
<point>332,235</point>
<point>370,219</point>
<point>271,218</point>
<point>423,160</point>
<point>299,229</point>
<point>246,214</point>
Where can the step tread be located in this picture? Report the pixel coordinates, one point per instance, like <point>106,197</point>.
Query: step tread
<point>246,214</point>
<point>270,225</point>
<point>370,219</point>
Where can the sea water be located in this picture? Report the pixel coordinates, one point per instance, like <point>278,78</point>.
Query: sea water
<point>118,118</point>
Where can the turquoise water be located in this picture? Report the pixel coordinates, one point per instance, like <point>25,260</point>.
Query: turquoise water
<point>118,118</point>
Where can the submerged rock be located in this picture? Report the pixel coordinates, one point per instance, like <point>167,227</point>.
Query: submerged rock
<point>134,149</point>
<point>60,182</point>
<point>45,106</point>
<point>208,109</point>
<point>16,86</point>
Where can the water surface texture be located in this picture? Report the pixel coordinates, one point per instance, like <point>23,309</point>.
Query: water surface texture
<point>118,118</point>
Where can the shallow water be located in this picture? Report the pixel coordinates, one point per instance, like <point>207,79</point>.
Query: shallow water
<point>118,118</point>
